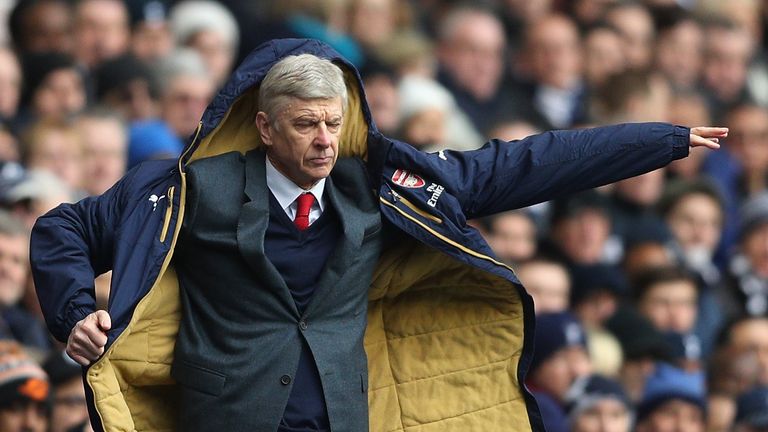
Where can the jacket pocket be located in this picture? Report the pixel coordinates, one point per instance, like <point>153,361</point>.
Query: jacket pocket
<point>198,378</point>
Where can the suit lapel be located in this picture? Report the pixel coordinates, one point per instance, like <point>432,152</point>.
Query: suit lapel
<point>252,226</point>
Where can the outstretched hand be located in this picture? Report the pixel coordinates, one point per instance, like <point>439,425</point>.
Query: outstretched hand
<point>707,136</point>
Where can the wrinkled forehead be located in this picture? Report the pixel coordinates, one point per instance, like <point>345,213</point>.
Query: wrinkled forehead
<point>292,107</point>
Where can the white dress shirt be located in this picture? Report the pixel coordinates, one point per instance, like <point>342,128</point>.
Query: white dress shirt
<point>286,192</point>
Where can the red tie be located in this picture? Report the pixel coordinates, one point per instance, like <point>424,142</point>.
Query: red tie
<point>305,202</point>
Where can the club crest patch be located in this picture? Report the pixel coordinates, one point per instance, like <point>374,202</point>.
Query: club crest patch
<point>407,179</point>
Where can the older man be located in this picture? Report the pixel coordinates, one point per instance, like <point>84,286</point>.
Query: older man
<point>261,255</point>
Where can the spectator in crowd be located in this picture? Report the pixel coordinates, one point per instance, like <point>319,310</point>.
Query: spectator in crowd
<point>15,322</point>
<point>603,54</point>
<point>55,147</point>
<point>694,212</point>
<point>674,400</point>
<point>127,85</point>
<point>374,22</point>
<point>380,83</point>
<point>210,29</point>
<point>24,391</point>
<point>38,192</point>
<point>42,26</point>
<point>186,88</point>
<point>54,87</point>
<point>104,140</point>
<point>679,49</point>
<point>748,335</point>
<point>151,37</point>
<point>101,31</point>
<point>634,22</point>
<point>430,120</point>
<point>10,84</point>
<point>728,51</point>
<point>68,406</point>
<point>553,54</point>
<point>547,281</point>
<point>470,49</point>
<point>599,404</point>
<point>580,228</point>
<point>668,297</point>
<point>512,236</point>
<point>560,356</point>
<point>749,267</point>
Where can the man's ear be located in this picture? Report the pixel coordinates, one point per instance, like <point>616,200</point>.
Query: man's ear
<point>265,128</point>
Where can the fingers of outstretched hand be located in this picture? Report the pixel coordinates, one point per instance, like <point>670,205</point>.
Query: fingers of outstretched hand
<point>710,132</point>
<point>88,338</point>
<point>698,141</point>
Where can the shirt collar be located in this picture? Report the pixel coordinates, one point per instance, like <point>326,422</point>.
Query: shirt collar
<point>286,191</point>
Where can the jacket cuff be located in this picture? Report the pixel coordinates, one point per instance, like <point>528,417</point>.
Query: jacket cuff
<point>75,314</point>
<point>681,142</point>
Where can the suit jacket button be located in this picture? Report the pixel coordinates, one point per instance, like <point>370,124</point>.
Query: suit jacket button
<point>285,380</point>
<point>303,325</point>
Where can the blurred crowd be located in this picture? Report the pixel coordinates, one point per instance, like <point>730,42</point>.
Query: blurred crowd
<point>651,294</point>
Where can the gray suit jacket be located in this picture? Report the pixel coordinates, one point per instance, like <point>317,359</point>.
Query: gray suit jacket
<point>240,335</point>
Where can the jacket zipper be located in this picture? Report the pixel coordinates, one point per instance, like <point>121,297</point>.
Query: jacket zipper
<point>168,213</point>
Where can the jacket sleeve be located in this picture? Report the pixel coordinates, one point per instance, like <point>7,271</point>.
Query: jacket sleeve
<point>70,245</point>
<point>508,175</point>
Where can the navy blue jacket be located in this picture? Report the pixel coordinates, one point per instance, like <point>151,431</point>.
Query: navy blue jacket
<point>131,229</point>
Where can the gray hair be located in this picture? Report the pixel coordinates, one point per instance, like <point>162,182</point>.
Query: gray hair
<point>303,76</point>
<point>180,62</point>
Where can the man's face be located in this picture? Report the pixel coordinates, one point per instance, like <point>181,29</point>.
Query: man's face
<point>24,416</point>
<point>555,52</point>
<point>696,222</point>
<point>474,54</point>
<point>184,102</point>
<point>14,251</point>
<point>583,235</point>
<point>676,415</point>
<point>671,306</point>
<point>748,138</point>
<point>303,141</point>
<point>607,415</point>
<point>101,31</point>
<point>557,374</point>
<point>514,237</point>
<point>547,283</point>
<point>47,26</point>
<point>69,405</point>
<point>104,153</point>
<point>728,53</point>
<point>751,336</point>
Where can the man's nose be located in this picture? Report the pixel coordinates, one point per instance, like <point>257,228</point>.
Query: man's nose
<point>323,137</point>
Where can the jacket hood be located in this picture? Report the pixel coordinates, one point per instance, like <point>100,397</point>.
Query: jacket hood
<point>228,123</point>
